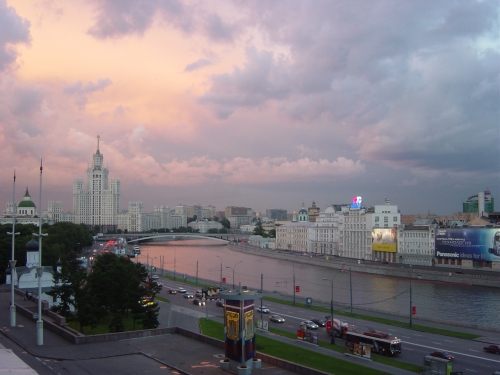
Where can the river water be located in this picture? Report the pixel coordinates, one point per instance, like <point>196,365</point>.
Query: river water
<point>443,301</point>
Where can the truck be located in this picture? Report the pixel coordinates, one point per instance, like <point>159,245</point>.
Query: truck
<point>340,328</point>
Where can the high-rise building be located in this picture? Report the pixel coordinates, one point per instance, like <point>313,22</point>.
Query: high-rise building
<point>98,202</point>
<point>480,203</point>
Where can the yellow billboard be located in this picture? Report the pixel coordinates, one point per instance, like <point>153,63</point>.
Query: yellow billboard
<point>384,239</point>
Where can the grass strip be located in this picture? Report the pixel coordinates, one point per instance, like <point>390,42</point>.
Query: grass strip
<point>295,354</point>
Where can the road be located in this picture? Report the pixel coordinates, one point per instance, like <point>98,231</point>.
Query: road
<point>469,355</point>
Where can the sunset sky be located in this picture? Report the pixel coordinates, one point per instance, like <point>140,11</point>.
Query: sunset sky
<point>263,104</point>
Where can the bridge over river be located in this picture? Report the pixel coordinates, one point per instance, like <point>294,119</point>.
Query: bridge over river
<point>136,238</point>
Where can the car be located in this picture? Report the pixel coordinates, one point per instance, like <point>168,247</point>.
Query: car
<point>263,309</point>
<point>188,295</point>
<point>276,318</point>
<point>155,277</point>
<point>309,324</point>
<point>219,303</point>
<point>442,354</point>
<point>495,349</point>
<point>198,293</point>
<point>319,322</point>
<point>172,291</point>
<point>147,301</point>
<point>199,302</point>
<point>181,290</point>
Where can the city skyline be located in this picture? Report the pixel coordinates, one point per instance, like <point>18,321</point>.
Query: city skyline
<point>262,105</point>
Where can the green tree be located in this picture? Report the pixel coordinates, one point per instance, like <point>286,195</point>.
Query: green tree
<point>71,290</point>
<point>258,230</point>
<point>225,222</point>
<point>213,230</point>
<point>272,233</point>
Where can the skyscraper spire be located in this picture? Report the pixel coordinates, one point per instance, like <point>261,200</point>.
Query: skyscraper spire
<point>98,143</point>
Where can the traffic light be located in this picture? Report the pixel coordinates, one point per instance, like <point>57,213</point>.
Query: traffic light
<point>297,289</point>
<point>413,310</point>
<point>223,280</point>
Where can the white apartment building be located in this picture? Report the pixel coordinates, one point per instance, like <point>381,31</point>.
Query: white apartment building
<point>416,243</point>
<point>324,234</point>
<point>356,230</point>
<point>96,203</point>
<point>293,236</point>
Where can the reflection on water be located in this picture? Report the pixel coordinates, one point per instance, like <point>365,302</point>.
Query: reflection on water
<point>448,302</point>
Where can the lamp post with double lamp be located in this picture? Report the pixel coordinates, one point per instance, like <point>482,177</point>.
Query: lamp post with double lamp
<point>411,301</point>
<point>232,268</point>
<point>12,261</point>
<point>39,269</point>
<point>218,256</point>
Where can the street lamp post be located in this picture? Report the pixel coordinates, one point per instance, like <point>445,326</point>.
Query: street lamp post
<point>294,288</point>
<point>331,312</point>
<point>39,269</point>
<point>218,256</point>
<point>232,268</point>
<point>12,261</point>
<point>411,301</point>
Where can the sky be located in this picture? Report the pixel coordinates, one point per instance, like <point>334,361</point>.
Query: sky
<point>262,104</point>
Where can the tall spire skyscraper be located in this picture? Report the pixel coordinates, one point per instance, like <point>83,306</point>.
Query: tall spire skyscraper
<point>98,202</point>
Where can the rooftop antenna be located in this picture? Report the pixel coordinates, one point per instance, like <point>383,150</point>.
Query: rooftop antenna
<point>98,143</point>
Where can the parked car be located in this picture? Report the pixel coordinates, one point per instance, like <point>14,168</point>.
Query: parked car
<point>495,349</point>
<point>276,318</point>
<point>309,324</point>
<point>319,322</point>
<point>263,309</point>
<point>199,302</point>
<point>219,303</point>
<point>442,354</point>
<point>188,295</point>
<point>181,290</point>
<point>172,291</point>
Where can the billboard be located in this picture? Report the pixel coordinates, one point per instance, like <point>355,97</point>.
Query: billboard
<point>384,239</point>
<point>480,244</point>
<point>356,203</point>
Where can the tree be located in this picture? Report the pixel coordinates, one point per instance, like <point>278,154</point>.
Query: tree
<point>213,230</point>
<point>272,233</point>
<point>117,285</point>
<point>71,290</point>
<point>258,230</point>
<point>226,224</point>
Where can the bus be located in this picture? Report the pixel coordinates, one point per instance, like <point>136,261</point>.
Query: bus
<point>377,341</point>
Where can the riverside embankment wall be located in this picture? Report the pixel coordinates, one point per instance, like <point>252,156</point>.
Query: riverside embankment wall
<point>439,274</point>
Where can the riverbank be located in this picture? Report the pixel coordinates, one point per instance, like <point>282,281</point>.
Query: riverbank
<point>437,274</point>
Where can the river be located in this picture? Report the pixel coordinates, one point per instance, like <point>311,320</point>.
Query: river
<point>443,301</point>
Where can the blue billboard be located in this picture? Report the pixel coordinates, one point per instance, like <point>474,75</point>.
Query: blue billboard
<point>480,244</point>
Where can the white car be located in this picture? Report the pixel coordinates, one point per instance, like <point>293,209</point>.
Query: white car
<point>188,295</point>
<point>155,277</point>
<point>263,309</point>
<point>181,290</point>
<point>309,324</point>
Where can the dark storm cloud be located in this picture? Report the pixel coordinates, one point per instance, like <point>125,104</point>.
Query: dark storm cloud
<point>13,30</point>
<point>412,83</point>
<point>260,80</point>
<point>218,30</point>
